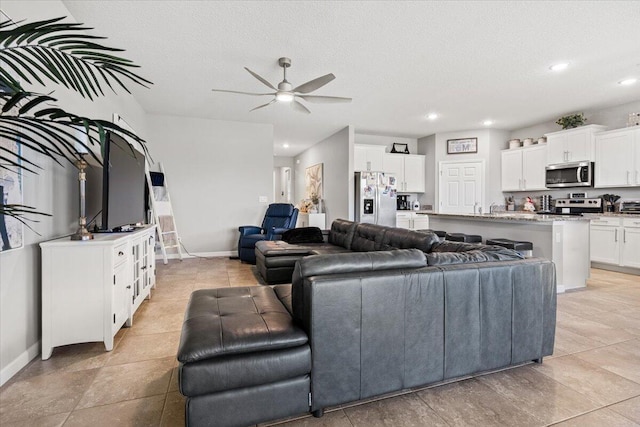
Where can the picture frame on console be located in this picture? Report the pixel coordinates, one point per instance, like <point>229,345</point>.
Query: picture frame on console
<point>462,146</point>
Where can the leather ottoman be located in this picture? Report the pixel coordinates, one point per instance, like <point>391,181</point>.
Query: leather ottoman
<point>242,358</point>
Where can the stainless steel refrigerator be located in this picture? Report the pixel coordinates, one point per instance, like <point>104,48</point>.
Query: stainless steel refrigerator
<point>375,198</point>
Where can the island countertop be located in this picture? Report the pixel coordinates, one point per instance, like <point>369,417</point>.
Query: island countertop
<point>512,217</point>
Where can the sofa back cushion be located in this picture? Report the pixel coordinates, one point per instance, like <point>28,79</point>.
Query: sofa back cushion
<point>341,233</point>
<point>353,262</point>
<point>367,237</point>
<point>400,238</point>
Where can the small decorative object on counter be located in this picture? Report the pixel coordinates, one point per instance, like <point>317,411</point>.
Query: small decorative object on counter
<point>529,206</point>
<point>634,119</point>
<point>571,121</point>
<point>511,204</point>
<point>416,205</point>
<point>402,148</point>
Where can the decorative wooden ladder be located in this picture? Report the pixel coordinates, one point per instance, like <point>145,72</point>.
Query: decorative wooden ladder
<point>168,237</point>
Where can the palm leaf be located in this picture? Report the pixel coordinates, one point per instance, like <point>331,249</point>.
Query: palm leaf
<point>64,51</point>
<point>61,53</point>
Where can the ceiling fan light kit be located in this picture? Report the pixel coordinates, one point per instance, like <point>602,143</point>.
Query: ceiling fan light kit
<point>287,94</point>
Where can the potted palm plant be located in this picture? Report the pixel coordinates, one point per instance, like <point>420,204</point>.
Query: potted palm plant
<point>61,53</point>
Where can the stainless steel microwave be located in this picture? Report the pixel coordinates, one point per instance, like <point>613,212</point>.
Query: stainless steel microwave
<point>575,174</point>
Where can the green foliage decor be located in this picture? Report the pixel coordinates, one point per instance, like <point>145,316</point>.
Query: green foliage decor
<point>52,51</point>
<point>571,121</point>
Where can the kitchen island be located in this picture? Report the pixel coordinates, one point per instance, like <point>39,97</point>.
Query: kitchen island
<point>561,239</point>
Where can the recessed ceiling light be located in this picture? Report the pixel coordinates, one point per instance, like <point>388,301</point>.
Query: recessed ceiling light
<point>487,122</point>
<point>285,145</point>
<point>627,82</point>
<point>432,116</point>
<point>559,67</point>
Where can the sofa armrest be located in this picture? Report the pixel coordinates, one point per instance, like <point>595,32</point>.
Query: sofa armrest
<point>249,229</point>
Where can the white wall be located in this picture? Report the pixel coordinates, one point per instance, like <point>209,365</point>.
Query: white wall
<point>336,154</point>
<point>387,141</point>
<point>53,190</point>
<point>490,142</point>
<point>216,171</point>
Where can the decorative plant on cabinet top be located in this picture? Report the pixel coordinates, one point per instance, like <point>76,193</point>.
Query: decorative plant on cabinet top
<point>571,121</point>
<point>53,51</point>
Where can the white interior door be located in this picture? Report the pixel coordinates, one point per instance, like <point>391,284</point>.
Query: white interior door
<point>461,188</point>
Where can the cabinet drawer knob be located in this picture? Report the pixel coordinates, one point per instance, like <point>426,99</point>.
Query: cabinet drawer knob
<point>129,287</point>
<point>144,267</point>
<point>120,253</point>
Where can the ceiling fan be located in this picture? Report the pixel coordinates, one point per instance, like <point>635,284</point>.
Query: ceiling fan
<point>286,93</point>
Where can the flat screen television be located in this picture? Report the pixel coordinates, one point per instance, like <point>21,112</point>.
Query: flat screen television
<point>116,191</point>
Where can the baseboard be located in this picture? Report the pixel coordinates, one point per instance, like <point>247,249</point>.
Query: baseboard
<point>219,254</point>
<point>613,267</point>
<point>19,362</point>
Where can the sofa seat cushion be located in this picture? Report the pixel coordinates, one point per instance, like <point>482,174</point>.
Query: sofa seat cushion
<point>244,370</point>
<point>284,295</point>
<point>279,248</point>
<point>225,321</point>
<point>448,252</point>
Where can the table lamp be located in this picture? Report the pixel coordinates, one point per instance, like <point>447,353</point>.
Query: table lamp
<point>80,146</point>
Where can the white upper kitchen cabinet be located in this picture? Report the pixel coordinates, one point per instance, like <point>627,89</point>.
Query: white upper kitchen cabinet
<point>368,157</point>
<point>523,168</point>
<point>572,145</point>
<point>617,161</point>
<point>408,169</point>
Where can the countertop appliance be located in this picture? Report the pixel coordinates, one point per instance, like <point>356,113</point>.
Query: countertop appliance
<point>576,174</point>
<point>629,206</point>
<point>402,203</point>
<point>579,206</point>
<point>375,198</point>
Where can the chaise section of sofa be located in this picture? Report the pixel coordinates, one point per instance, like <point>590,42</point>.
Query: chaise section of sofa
<point>242,358</point>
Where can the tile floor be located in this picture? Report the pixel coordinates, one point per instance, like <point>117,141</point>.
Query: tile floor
<point>593,378</point>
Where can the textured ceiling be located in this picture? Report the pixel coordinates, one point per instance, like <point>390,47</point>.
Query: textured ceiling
<point>467,61</point>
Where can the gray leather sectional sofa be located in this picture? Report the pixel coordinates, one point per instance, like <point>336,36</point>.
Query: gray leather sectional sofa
<point>359,324</point>
<point>275,260</point>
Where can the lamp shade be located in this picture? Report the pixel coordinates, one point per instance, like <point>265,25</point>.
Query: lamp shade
<point>81,138</point>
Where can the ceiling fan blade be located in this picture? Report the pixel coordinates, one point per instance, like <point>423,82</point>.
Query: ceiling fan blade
<point>299,107</point>
<point>242,93</point>
<point>324,99</point>
<point>263,105</point>
<point>266,83</point>
<point>314,84</point>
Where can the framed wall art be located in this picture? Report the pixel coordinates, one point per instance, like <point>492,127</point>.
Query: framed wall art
<point>462,145</point>
<point>11,229</point>
<point>313,181</point>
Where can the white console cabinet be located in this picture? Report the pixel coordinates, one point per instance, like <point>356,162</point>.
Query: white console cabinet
<point>91,289</point>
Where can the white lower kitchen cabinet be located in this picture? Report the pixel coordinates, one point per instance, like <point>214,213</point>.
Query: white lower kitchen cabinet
<point>615,240</point>
<point>412,220</point>
<point>90,289</point>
